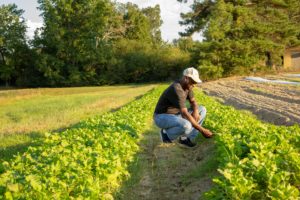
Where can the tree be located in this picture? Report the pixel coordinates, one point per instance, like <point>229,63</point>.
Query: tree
<point>138,25</point>
<point>198,18</point>
<point>73,39</point>
<point>12,40</point>
<point>153,15</point>
<point>240,34</point>
<point>184,43</point>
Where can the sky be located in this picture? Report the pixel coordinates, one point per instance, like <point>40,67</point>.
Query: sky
<point>170,13</point>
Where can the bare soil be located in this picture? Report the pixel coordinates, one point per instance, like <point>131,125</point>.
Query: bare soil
<point>274,103</point>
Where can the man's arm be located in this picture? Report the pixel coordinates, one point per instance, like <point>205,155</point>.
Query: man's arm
<point>205,132</point>
<point>195,112</point>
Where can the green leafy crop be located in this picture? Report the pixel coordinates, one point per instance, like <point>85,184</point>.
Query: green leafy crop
<point>88,161</point>
<point>257,160</point>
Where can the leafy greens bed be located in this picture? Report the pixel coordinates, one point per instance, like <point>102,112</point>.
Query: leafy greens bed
<point>257,160</point>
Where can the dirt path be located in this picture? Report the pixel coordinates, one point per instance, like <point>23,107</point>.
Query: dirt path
<point>169,171</point>
<point>274,103</point>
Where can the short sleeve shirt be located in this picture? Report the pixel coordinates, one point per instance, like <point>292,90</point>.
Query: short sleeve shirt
<point>173,99</point>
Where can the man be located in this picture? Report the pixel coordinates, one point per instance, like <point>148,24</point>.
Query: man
<point>172,115</point>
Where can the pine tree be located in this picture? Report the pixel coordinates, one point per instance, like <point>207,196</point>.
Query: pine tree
<point>240,34</point>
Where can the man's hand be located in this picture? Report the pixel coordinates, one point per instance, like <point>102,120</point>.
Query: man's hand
<point>206,133</point>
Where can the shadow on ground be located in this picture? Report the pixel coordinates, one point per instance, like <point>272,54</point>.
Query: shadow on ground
<point>24,140</point>
<point>7,153</point>
<point>169,171</point>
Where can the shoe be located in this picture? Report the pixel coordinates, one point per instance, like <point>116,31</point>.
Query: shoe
<point>164,137</point>
<point>185,141</point>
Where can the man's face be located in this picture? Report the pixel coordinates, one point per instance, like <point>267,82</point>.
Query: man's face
<point>190,83</point>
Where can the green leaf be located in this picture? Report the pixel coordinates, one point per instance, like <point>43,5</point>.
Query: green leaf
<point>33,180</point>
<point>13,187</point>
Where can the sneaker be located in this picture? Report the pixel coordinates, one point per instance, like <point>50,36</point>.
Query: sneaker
<point>186,142</point>
<point>164,137</point>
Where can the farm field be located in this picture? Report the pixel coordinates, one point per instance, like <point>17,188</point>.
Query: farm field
<point>101,143</point>
<point>26,113</point>
<point>275,103</point>
<point>119,156</point>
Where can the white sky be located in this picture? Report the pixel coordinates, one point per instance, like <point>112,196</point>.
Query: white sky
<point>170,13</point>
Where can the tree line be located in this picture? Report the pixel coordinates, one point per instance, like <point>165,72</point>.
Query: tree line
<point>86,43</point>
<point>103,42</point>
<point>242,35</point>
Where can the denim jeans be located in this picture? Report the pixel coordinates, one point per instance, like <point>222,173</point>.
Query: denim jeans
<point>176,125</point>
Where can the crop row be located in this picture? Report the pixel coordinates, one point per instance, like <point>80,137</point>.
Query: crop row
<point>88,161</point>
<point>257,160</point>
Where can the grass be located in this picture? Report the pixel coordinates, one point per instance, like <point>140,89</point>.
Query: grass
<point>260,90</point>
<point>25,114</point>
<point>168,171</point>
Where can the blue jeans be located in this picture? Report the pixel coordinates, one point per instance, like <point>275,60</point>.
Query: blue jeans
<point>176,125</point>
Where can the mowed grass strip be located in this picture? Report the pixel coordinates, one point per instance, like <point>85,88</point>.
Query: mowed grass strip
<point>26,113</point>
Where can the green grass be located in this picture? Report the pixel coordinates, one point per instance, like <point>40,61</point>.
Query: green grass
<point>26,113</point>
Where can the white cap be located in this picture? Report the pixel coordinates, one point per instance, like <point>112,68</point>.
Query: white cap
<point>192,73</point>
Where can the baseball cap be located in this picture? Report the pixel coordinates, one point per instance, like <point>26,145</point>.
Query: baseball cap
<point>192,73</point>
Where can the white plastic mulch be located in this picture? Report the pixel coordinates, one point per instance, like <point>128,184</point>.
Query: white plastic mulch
<point>263,80</point>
